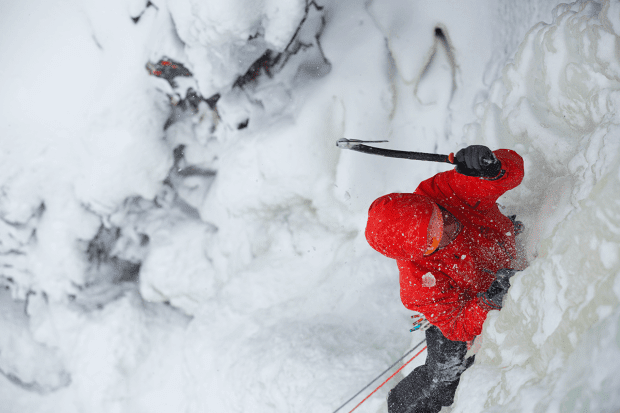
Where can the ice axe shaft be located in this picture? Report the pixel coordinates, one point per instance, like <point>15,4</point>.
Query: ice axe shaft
<point>357,145</point>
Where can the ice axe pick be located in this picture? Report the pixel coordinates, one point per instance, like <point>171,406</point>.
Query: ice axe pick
<point>357,145</point>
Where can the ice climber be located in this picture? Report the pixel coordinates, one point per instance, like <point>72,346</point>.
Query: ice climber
<point>455,253</point>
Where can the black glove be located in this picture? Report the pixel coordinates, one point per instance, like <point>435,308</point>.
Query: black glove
<point>494,296</point>
<point>477,160</point>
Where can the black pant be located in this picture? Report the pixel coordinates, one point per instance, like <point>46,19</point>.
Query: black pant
<point>432,385</point>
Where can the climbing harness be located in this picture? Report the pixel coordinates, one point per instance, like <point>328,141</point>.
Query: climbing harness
<point>419,322</point>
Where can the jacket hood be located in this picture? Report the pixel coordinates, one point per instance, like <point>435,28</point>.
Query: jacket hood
<point>398,225</point>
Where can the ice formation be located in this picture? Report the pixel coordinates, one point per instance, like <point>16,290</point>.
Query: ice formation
<point>195,243</point>
<point>544,351</point>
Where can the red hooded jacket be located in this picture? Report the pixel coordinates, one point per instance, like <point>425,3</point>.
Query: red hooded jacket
<point>444,285</point>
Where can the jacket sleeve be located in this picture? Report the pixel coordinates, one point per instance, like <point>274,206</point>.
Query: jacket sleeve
<point>455,311</point>
<point>479,193</point>
<point>485,192</point>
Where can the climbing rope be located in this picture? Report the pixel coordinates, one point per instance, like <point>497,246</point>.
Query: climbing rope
<point>388,379</point>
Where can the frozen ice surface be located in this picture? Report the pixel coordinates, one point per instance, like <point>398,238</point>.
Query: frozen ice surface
<point>196,246</point>
<point>543,349</point>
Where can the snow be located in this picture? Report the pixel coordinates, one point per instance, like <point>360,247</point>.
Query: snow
<point>219,263</point>
<point>221,43</point>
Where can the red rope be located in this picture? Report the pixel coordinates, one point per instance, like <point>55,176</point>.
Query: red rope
<point>388,379</point>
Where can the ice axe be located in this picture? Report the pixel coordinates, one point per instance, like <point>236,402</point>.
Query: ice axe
<point>357,145</point>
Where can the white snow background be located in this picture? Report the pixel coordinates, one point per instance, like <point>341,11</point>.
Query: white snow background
<point>161,257</point>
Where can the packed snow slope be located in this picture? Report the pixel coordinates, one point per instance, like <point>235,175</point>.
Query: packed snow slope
<point>179,232</point>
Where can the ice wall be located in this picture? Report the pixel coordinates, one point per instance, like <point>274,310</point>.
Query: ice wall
<point>544,351</point>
